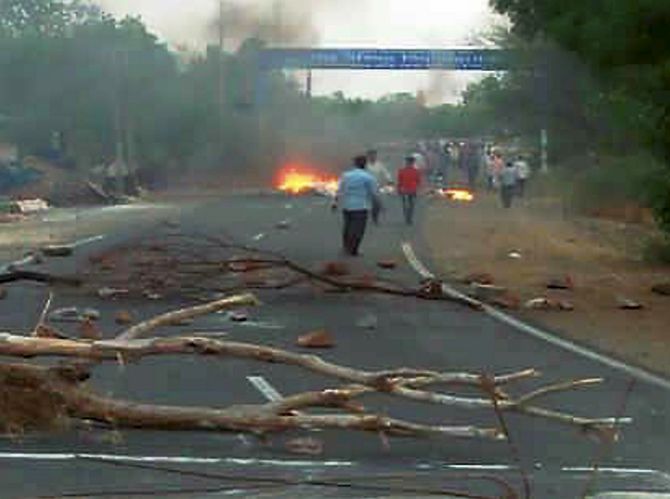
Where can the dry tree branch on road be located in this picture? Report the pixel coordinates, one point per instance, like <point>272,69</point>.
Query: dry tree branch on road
<point>259,259</point>
<point>403,383</point>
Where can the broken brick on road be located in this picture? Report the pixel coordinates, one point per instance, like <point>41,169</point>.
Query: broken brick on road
<point>123,318</point>
<point>316,339</point>
<point>387,264</point>
<point>662,289</point>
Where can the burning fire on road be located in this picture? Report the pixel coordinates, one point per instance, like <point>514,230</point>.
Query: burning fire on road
<point>457,194</point>
<point>297,179</point>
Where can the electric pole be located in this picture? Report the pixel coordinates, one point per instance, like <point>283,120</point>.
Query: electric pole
<point>222,76</point>
<point>308,89</point>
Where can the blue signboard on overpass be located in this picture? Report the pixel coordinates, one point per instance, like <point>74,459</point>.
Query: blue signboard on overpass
<point>417,59</point>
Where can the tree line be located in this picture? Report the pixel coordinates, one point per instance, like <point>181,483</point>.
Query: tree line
<point>78,83</point>
<point>594,74</point>
<point>597,77</point>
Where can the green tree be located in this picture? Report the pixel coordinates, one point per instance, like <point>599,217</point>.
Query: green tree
<point>627,45</point>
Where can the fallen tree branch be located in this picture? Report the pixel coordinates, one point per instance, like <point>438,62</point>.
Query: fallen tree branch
<point>559,387</point>
<point>177,316</point>
<point>399,383</point>
<point>274,259</point>
<point>77,402</point>
<point>29,275</point>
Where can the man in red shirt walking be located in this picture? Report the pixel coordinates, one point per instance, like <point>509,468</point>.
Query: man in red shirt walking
<point>409,179</point>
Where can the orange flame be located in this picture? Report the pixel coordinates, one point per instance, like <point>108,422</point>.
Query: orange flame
<point>295,179</point>
<point>458,195</point>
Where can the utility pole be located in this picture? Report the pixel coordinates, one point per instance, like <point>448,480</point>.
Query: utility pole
<point>118,119</point>
<point>222,76</point>
<point>308,88</point>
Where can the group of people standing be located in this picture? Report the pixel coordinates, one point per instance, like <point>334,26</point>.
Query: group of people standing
<point>359,188</point>
<point>358,195</point>
<point>509,177</point>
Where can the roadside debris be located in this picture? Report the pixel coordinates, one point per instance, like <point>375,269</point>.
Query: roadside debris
<point>544,303</point>
<point>305,446</point>
<point>662,289</point>
<point>515,255</point>
<point>150,295</point>
<point>111,293</point>
<point>57,250</point>
<point>3,293</point>
<point>74,314</point>
<point>486,292</point>
<point>335,269</point>
<point>564,282</point>
<point>10,218</point>
<point>387,264</point>
<point>238,316</point>
<point>88,330</point>
<point>628,304</point>
<point>316,339</point>
<point>283,225</point>
<point>45,331</point>
<point>369,321</point>
<point>432,288</point>
<point>507,300</point>
<point>240,265</point>
<point>60,393</point>
<point>31,206</point>
<point>123,318</point>
<point>181,323</point>
<point>479,278</point>
<point>13,274</point>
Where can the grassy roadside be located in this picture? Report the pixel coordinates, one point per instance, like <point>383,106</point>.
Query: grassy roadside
<point>603,258</point>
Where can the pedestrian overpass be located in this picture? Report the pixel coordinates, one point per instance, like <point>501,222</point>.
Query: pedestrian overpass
<point>394,59</point>
<point>470,59</point>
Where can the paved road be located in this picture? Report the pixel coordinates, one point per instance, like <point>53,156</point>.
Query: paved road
<point>410,333</point>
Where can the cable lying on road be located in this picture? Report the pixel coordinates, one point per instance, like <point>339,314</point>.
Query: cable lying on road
<point>370,483</point>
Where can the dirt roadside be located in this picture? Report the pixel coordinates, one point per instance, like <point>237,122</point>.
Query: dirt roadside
<point>602,259</point>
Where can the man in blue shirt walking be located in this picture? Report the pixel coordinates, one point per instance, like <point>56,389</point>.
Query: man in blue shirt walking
<point>357,194</point>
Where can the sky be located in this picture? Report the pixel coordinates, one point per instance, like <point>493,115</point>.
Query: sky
<point>334,23</point>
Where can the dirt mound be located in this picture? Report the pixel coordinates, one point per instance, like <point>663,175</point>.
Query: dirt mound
<point>26,405</point>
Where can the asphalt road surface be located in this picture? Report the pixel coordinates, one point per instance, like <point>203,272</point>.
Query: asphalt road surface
<point>409,333</point>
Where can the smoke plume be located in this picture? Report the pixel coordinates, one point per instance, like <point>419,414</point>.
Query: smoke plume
<point>285,23</point>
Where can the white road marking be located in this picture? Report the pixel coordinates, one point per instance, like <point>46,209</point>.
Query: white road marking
<point>619,365</point>
<point>418,266</point>
<point>171,459</point>
<point>481,467</point>
<point>262,385</point>
<point>268,391</point>
<point>261,325</point>
<point>87,240</point>
<point>623,471</point>
<point>18,263</point>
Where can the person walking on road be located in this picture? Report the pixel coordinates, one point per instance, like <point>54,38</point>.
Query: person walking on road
<point>409,180</point>
<point>495,167</point>
<point>522,174</point>
<point>508,184</point>
<point>357,194</point>
<point>378,169</point>
<point>472,164</point>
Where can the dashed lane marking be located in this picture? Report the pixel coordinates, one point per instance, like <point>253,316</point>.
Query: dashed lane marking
<point>263,386</point>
